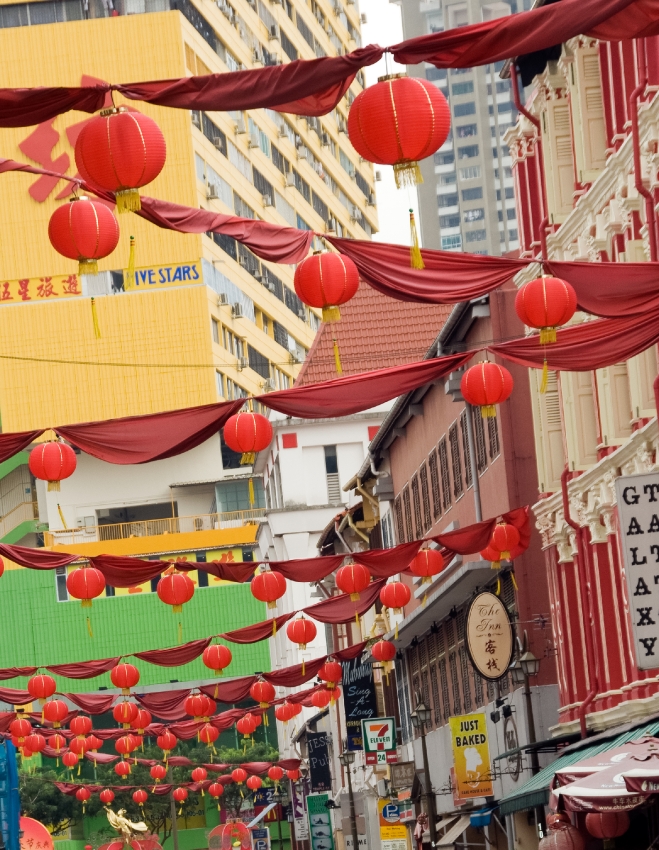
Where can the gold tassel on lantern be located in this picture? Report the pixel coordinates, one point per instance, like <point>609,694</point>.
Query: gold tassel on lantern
<point>128,200</point>
<point>407,174</point>
<point>498,590</point>
<point>488,411</point>
<point>274,626</point>
<point>248,459</point>
<point>250,488</point>
<point>337,359</point>
<point>547,336</point>
<point>331,314</point>
<point>416,259</point>
<point>61,514</point>
<point>512,576</point>
<point>545,378</point>
<point>304,668</point>
<point>89,628</point>
<point>87,267</point>
<point>97,329</point>
<point>129,277</point>
<point>495,565</point>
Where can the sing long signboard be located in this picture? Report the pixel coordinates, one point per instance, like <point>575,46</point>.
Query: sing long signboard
<point>638,511</point>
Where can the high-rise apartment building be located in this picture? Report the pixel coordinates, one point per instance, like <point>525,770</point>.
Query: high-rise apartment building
<point>466,200</point>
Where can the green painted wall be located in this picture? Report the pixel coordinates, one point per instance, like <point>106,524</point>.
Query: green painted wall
<point>37,629</point>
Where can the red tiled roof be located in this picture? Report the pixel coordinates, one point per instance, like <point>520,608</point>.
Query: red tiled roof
<point>374,332</point>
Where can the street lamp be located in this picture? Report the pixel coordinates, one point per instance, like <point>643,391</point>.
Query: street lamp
<point>347,758</point>
<point>420,719</point>
<point>278,798</point>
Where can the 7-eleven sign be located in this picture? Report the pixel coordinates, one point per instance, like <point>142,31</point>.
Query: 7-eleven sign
<point>379,736</point>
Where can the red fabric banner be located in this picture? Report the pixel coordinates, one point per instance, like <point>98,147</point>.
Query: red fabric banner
<point>85,669</point>
<point>92,703</point>
<point>176,655</point>
<point>11,444</point>
<point>14,696</point>
<point>12,672</point>
<point>341,609</point>
<point>36,559</point>
<point>354,393</point>
<point>258,631</point>
<point>612,290</point>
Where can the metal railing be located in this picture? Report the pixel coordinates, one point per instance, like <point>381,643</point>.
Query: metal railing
<point>153,527</point>
<point>23,512</point>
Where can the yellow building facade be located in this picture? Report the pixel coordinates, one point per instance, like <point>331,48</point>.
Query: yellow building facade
<point>204,319</point>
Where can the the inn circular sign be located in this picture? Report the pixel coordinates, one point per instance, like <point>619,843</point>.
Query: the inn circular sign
<point>489,636</point>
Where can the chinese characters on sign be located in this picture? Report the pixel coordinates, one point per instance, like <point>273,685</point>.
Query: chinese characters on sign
<point>471,755</point>
<point>489,636</point>
<point>379,737</point>
<point>638,511</point>
<point>39,289</point>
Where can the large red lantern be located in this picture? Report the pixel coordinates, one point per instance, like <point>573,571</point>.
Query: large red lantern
<point>82,795</point>
<point>166,741</point>
<point>94,743</point>
<point>395,595</point>
<point>546,303</point>
<point>249,433</point>
<point>122,768</point>
<point>607,825</point>
<point>195,705</point>
<point>35,742</point>
<point>321,698</point>
<point>140,796</point>
<point>490,554</point>
<point>85,231</point>
<point>352,579</point>
<point>275,773</point>
<point>125,745</point>
<point>268,586</point>
<point>41,686</point>
<point>284,712</point>
<point>427,563</point>
<point>216,789</point>
<point>81,725</point>
<point>55,711</point>
<point>56,742</point>
<point>69,760</point>
<point>383,650</point>
<point>175,589</point>
<point>20,728</point>
<point>246,726</point>
<point>199,774</point>
<point>485,385</point>
<point>326,280</point>
<point>254,783</point>
<point>217,657</point>
<point>505,538</point>
<point>141,720</point>
<point>239,775</point>
<point>208,734</point>
<point>180,795</point>
<point>293,775</point>
<point>121,151</point>
<point>52,462</point>
<point>262,692</point>
<point>158,772</point>
<point>79,746</point>
<point>398,122</point>
<point>85,583</point>
<point>331,672</point>
<point>125,676</point>
<point>125,713</point>
<point>301,631</point>
<point>106,796</point>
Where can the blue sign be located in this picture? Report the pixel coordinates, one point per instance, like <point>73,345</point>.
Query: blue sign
<point>10,804</point>
<point>264,796</point>
<point>261,839</point>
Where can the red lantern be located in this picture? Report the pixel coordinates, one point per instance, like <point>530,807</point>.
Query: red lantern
<point>55,711</point>
<point>121,151</point>
<point>85,231</point>
<point>20,728</point>
<point>383,650</point>
<point>52,462</point>
<point>141,720</point>
<point>239,775</point>
<point>83,794</point>
<point>140,796</point>
<point>249,433</point>
<point>79,746</point>
<point>175,589</point>
<point>35,742</point>
<point>398,122</point>
<point>180,794</point>
<point>69,759</point>
<point>2,566</point>
<point>326,280</point>
<point>158,772</point>
<point>352,579</point>
<point>427,563</point>
<point>125,745</point>
<point>301,631</point>
<point>275,773</point>
<point>125,676</point>
<point>85,583</point>
<point>94,743</point>
<point>321,698</point>
<point>262,692</point>
<point>546,303</point>
<point>166,741</point>
<point>490,554</point>
<point>246,725</point>
<point>254,783</point>
<point>395,595</point>
<point>41,686</point>
<point>557,820</point>
<point>504,538</point>
<point>485,385</point>
<point>331,672</point>
<point>607,825</point>
<point>125,713</point>
<point>81,725</point>
<point>122,768</point>
<point>106,796</point>
<point>293,775</point>
<point>284,712</point>
<point>199,774</point>
<point>56,742</point>
<point>208,734</point>
<point>195,705</point>
<point>217,657</point>
<point>209,707</point>
<point>268,586</point>
<point>216,789</point>
<point>567,837</point>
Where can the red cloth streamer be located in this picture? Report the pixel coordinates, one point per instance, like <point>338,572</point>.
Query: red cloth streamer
<point>341,609</point>
<point>176,655</point>
<point>258,631</point>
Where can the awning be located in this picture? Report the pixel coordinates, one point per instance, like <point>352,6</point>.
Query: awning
<point>454,833</point>
<point>549,745</point>
<point>643,752</point>
<point>602,791</point>
<point>535,792</point>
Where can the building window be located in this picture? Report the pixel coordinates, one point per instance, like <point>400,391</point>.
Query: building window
<point>470,172</point>
<point>332,474</point>
<point>465,447</point>
<point>474,194</point>
<point>452,243</point>
<point>416,497</point>
<point>447,179</point>
<point>447,200</point>
<point>476,235</point>
<point>215,325</point>
<point>407,507</point>
<point>493,436</point>
<point>442,451</point>
<point>219,384</point>
<point>461,109</point>
<point>455,682</point>
<point>425,498</point>
<point>456,463</point>
<point>434,483</point>
<point>477,214</point>
<point>449,221</point>
<point>466,130</point>
<point>444,158</point>
<point>443,677</point>
<point>403,699</point>
<point>400,522</point>
<point>60,585</point>
<point>462,88</point>
<point>435,74</point>
<point>467,151</point>
<point>479,439</point>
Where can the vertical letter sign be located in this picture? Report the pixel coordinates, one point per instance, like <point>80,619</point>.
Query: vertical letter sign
<point>638,511</point>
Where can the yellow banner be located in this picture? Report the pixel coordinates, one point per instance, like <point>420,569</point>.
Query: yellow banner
<point>172,275</point>
<point>471,755</point>
<point>40,289</point>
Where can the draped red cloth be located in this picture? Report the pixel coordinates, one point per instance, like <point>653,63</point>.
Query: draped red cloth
<point>528,32</point>
<point>354,393</point>
<point>11,444</point>
<point>387,562</point>
<point>585,347</point>
<point>257,631</point>
<point>341,609</point>
<point>14,696</point>
<point>612,290</point>
<point>176,655</point>
<point>36,559</point>
<point>92,703</point>
<point>84,669</point>
<point>12,672</point>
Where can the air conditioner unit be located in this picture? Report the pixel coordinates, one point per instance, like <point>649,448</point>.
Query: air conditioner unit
<point>257,59</point>
<point>341,124</point>
<point>236,311</point>
<point>240,125</point>
<point>282,131</point>
<point>196,120</point>
<point>258,276</point>
<point>233,19</point>
<point>290,178</point>
<point>242,261</point>
<point>253,141</point>
<point>270,285</point>
<point>337,9</point>
<point>298,141</point>
<point>274,32</point>
<point>371,199</point>
<point>352,172</point>
<point>302,315</point>
<point>355,214</point>
<point>331,225</point>
<point>267,200</point>
<point>302,152</point>
<point>243,363</point>
<point>212,193</point>
<point>293,358</point>
<point>252,3</point>
<point>378,176</point>
<point>325,140</point>
<point>363,18</point>
<point>222,299</point>
<point>268,385</point>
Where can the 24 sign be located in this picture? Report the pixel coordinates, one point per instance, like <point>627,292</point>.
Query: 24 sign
<point>379,737</point>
